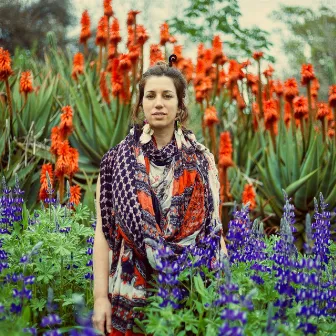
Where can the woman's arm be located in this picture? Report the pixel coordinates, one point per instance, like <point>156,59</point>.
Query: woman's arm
<point>100,254</point>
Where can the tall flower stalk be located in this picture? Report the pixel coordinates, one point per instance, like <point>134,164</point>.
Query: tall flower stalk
<point>5,72</point>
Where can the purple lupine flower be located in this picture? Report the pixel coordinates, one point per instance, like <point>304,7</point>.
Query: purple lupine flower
<point>50,320</point>
<point>16,309</point>
<point>227,330</point>
<point>29,280</point>
<point>24,259</point>
<point>3,255</point>
<point>254,248</point>
<point>32,331</point>
<point>308,328</point>
<point>18,200</point>
<point>89,251</point>
<point>93,225</point>
<point>309,236</point>
<point>65,229</point>
<point>52,333</point>
<point>246,301</point>
<point>177,293</point>
<point>234,315</point>
<point>3,266</point>
<point>89,263</point>
<point>90,240</point>
<point>207,250</point>
<point>163,293</point>
<point>257,279</point>
<point>83,318</point>
<point>289,214</point>
<point>169,265</point>
<point>321,228</point>
<point>89,276</point>
<point>238,233</point>
<point>83,332</point>
<point>6,207</point>
<point>51,307</point>
<point>228,294</point>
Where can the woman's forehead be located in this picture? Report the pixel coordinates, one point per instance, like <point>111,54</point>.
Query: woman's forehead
<point>156,83</point>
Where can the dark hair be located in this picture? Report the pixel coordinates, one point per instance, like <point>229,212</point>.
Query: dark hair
<point>162,68</point>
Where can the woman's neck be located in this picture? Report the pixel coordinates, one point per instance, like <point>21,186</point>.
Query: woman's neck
<point>163,136</point>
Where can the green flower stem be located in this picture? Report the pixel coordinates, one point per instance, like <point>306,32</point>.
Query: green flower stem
<point>216,84</point>
<point>261,109</point>
<point>61,275</point>
<point>309,103</point>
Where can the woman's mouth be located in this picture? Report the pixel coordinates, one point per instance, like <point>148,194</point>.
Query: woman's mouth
<point>159,114</point>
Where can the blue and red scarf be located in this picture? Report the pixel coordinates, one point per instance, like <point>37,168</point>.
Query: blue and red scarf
<point>131,212</point>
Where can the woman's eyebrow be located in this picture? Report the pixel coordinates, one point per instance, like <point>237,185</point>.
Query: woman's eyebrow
<point>163,91</point>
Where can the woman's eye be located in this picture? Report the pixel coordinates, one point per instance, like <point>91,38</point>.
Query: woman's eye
<point>166,96</point>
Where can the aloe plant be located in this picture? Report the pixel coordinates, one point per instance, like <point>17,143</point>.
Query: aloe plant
<point>303,175</point>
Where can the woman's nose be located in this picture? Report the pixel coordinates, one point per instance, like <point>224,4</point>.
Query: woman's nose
<point>158,101</point>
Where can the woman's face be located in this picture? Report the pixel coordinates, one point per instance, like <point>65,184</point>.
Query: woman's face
<point>160,97</point>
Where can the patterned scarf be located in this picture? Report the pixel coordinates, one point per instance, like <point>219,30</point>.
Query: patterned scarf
<point>131,211</point>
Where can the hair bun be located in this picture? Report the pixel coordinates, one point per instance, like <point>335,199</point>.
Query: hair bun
<point>172,59</point>
<point>161,63</point>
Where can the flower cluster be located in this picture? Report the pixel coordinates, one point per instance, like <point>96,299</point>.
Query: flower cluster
<point>10,206</point>
<point>239,233</point>
<point>234,306</point>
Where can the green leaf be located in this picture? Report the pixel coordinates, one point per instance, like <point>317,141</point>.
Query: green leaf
<point>291,189</point>
<point>199,285</point>
<point>38,304</point>
<point>199,307</point>
<point>62,251</point>
<point>182,333</point>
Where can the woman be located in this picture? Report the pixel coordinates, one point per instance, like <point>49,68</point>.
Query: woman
<point>157,186</point>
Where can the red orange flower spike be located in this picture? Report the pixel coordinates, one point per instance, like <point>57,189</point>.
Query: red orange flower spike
<point>307,73</point>
<point>104,88</point>
<point>115,37</point>
<point>26,85</point>
<point>142,35</point>
<point>75,194</point>
<point>66,126</point>
<point>249,195</point>
<point>332,96</point>
<point>291,89</point>
<point>270,113</point>
<point>101,37</point>
<point>164,33</point>
<point>5,64</point>
<point>257,55</point>
<point>78,66</point>
<point>300,107</point>
<point>278,88</point>
<point>131,16</point>
<point>85,30</point>
<point>155,54</point>
<point>108,11</point>
<point>225,150</point>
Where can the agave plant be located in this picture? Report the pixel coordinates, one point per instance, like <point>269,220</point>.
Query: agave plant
<point>33,116</point>
<point>302,174</point>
